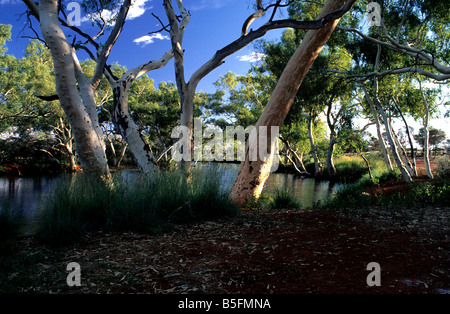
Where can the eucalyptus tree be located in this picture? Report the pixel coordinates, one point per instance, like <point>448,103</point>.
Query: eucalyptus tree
<point>187,88</point>
<point>253,174</point>
<point>410,37</point>
<point>75,91</point>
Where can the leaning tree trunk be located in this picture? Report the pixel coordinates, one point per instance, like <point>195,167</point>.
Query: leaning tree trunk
<point>402,153</point>
<point>253,174</point>
<point>376,119</point>
<point>426,142</point>
<point>88,141</point>
<point>128,129</point>
<point>411,145</point>
<point>394,147</point>
<point>297,162</point>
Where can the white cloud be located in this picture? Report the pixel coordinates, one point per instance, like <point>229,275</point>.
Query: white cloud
<point>137,9</point>
<point>252,57</point>
<point>150,39</point>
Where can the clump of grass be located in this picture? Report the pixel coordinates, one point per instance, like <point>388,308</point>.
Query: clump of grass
<point>140,204</point>
<point>350,169</point>
<point>281,199</point>
<point>355,196</point>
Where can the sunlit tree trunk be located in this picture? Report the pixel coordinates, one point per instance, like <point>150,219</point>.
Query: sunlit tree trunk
<point>88,140</point>
<point>402,152</point>
<point>426,149</point>
<point>376,119</point>
<point>253,174</point>
<point>129,130</point>
<point>411,145</point>
<point>392,143</point>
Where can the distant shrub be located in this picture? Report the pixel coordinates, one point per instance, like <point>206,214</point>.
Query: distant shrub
<point>443,166</point>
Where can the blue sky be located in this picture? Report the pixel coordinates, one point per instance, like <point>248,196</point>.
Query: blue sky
<point>213,24</point>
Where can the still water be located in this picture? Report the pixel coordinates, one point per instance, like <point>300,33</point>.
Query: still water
<point>27,194</point>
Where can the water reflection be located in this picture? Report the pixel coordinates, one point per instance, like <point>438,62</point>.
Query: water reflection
<point>307,190</point>
<point>26,194</point>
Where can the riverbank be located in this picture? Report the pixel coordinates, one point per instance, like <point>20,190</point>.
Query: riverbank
<point>276,252</point>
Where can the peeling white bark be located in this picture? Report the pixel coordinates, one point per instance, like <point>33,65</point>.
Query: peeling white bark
<point>89,145</point>
<point>122,119</point>
<point>393,144</point>
<point>383,147</point>
<point>426,149</point>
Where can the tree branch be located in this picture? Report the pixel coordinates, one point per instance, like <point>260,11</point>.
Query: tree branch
<point>103,55</point>
<point>245,40</point>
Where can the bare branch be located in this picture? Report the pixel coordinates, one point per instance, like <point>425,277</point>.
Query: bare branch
<point>103,55</point>
<point>243,41</point>
<point>33,8</point>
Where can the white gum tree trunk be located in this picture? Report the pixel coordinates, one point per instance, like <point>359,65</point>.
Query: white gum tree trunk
<point>122,119</point>
<point>394,148</point>
<point>426,141</point>
<point>376,119</point>
<point>253,174</point>
<point>317,163</point>
<point>79,109</point>
<point>330,162</point>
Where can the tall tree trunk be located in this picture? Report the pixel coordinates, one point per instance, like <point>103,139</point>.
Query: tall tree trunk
<point>411,145</point>
<point>376,119</point>
<point>317,163</point>
<point>121,117</point>
<point>368,164</point>
<point>402,152</point>
<point>253,174</point>
<point>394,147</point>
<point>88,140</point>
<point>389,133</point>
<point>426,149</point>
<point>330,163</point>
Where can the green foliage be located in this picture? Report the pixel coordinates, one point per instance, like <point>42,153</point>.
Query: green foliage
<point>355,196</point>
<point>133,203</point>
<point>443,166</point>
<point>436,137</point>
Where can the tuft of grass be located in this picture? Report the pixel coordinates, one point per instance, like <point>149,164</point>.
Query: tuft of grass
<point>134,203</point>
<point>282,199</point>
<point>354,196</point>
